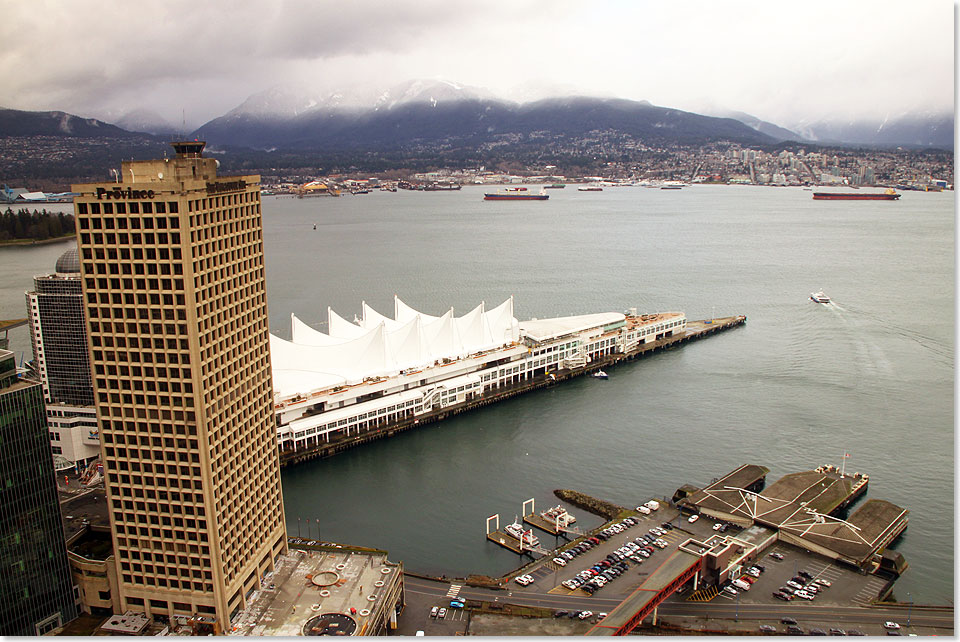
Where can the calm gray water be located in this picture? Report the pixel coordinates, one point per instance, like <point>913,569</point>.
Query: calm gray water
<point>796,387</point>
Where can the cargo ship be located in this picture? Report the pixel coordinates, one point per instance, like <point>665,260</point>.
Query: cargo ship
<point>889,195</point>
<point>515,195</point>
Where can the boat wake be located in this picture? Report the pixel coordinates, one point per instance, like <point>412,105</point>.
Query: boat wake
<point>942,351</point>
<point>869,354</point>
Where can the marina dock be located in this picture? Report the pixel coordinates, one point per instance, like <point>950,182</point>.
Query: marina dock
<point>694,331</point>
<point>547,526</point>
<point>507,541</point>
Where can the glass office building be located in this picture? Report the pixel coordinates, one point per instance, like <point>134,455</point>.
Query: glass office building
<point>36,590</point>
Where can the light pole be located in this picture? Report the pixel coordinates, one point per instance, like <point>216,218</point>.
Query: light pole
<point>909,608</point>
<point>736,615</point>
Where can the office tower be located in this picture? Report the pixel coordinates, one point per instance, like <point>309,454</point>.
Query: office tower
<point>36,590</point>
<point>172,262</point>
<point>61,361</point>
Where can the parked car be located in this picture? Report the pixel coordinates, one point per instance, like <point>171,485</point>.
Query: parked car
<point>766,628</point>
<point>456,604</point>
<point>442,613</point>
<point>891,626</point>
<point>559,561</point>
<point>788,620</point>
<point>837,631</point>
<point>434,611</point>
<point>776,556</point>
<point>693,518</point>
<point>585,614</point>
<point>730,590</point>
<point>823,582</point>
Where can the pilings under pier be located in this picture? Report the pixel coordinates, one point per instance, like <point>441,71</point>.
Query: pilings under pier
<point>695,330</point>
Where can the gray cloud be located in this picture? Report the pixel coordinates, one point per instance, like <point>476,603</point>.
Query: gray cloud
<point>777,61</point>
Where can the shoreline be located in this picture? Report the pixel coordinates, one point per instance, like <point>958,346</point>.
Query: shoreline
<point>32,242</point>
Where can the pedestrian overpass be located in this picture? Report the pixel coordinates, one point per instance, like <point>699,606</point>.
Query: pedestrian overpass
<point>677,570</point>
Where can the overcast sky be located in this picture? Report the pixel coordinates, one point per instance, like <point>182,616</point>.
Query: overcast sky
<point>776,60</point>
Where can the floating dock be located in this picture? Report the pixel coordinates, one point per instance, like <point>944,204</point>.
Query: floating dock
<point>547,526</point>
<point>507,540</point>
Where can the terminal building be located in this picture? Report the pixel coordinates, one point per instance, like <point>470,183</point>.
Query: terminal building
<point>801,509</point>
<point>377,372</point>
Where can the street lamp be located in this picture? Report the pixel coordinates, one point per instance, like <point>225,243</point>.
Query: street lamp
<point>909,608</point>
<point>736,615</point>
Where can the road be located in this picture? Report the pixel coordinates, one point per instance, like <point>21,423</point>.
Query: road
<point>424,591</point>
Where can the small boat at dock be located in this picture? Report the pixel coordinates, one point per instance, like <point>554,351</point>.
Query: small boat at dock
<point>558,515</point>
<point>527,537</point>
<point>600,374</point>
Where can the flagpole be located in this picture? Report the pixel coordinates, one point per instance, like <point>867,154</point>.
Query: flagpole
<point>843,466</point>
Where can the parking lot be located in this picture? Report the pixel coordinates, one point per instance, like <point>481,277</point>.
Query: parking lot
<point>549,576</point>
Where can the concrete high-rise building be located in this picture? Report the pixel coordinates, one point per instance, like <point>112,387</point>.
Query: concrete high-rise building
<point>36,589</point>
<point>58,334</point>
<point>173,276</point>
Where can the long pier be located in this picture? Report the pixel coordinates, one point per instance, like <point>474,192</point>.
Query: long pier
<point>695,331</point>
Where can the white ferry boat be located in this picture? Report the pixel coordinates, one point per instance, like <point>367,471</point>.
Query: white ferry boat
<point>819,297</point>
<point>378,372</point>
<point>528,538</point>
<point>600,374</point>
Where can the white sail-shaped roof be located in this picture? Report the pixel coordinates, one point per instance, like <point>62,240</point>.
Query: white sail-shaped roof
<point>403,312</point>
<point>303,334</point>
<point>372,318</point>
<point>504,328</point>
<point>349,353</point>
<point>341,328</point>
<point>474,335</point>
<point>405,346</point>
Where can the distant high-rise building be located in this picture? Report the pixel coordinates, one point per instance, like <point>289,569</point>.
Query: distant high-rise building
<point>173,276</point>
<point>58,333</point>
<point>36,590</point>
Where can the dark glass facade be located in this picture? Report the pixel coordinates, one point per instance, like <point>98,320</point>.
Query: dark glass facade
<point>60,339</point>
<point>36,589</point>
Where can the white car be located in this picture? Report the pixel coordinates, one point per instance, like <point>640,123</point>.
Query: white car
<point>523,580</point>
<point>585,614</point>
<point>893,626</point>
<point>823,582</point>
<point>804,595</point>
<point>559,561</point>
<point>717,526</point>
<point>752,572</point>
<point>693,518</point>
<point>730,590</point>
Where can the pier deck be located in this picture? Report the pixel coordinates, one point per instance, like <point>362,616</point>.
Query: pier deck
<point>695,330</point>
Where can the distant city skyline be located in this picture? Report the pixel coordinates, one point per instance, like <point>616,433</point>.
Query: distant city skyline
<point>190,62</point>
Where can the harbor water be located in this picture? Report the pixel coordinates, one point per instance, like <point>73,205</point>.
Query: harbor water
<point>798,386</point>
